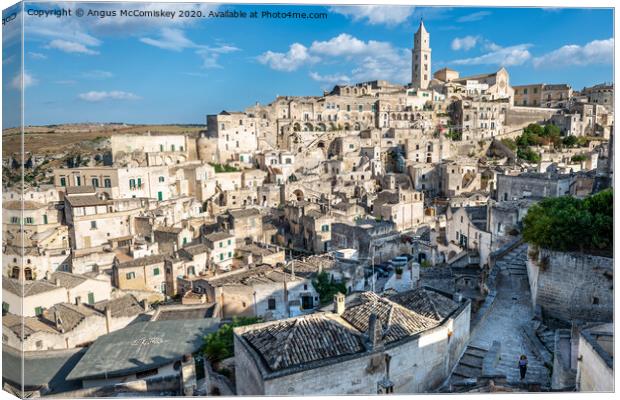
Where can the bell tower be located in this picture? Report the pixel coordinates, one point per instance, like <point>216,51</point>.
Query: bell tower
<point>421,58</point>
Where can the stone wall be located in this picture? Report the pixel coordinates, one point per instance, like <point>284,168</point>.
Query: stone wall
<point>571,286</point>
<point>418,365</point>
<point>595,371</point>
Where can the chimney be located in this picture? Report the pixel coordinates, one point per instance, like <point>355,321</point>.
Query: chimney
<point>48,275</point>
<point>146,305</point>
<point>374,331</point>
<point>58,321</point>
<point>175,247</point>
<point>108,318</point>
<point>339,303</point>
<point>457,297</point>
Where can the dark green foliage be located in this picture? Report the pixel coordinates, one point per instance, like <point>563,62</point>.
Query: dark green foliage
<point>223,168</point>
<point>578,158</point>
<point>510,143</point>
<point>219,344</point>
<point>570,224</point>
<point>528,155</point>
<point>570,141</point>
<point>327,288</point>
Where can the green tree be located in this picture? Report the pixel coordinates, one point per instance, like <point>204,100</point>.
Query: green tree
<point>570,141</point>
<point>571,224</point>
<point>326,287</point>
<point>219,345</point>
<point>510,143</point>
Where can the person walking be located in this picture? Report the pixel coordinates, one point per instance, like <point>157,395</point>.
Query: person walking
<point>523,366</point>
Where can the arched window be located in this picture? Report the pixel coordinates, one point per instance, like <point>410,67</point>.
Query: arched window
<point>15,273</point>
<point>28,274</point>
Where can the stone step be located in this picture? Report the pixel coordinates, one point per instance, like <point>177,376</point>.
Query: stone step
<point>471,360</point>
<point>476,351</point>
<point>468,372</point>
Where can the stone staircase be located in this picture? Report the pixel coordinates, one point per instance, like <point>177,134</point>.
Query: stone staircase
<point>470,364</point>
<point>514,262</point>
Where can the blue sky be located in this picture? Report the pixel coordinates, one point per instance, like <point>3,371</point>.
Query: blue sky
<point>162,70</point>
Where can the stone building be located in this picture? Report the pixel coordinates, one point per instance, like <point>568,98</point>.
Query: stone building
<point>221,249</point>
<point>406,343</point>
<point>571,286</point>
<point>145,274</point>
<point>234,133</point>
<point>262,291</point>
<point>532,185</point>
<point>405,208</point>
<point>595,368</point>
<point>543,95</point>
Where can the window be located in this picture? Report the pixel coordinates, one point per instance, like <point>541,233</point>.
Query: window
<point>155,271</point>
<point>5,307</point>
<point>130,275</point>
<point>38,311</point>
<point>132,184</point>
<point>595,300</point>
<point>139,182</point>
<point>222,257</point>
<point>91,298</point>
<point>325,228</point>
<point>39,344</point>
<point>93,224</point>
<point>45,218</point>
<point>15,220</point>
<point>95,182</point>
<point>229,254</point>
<point>161,179</point>
<point>221,244</point>
<point>161,147</point>
<point>107,182</point>
<point>271,304</point>
<point>172,147</point>
<point>63,182</point>
<point>28,220</point>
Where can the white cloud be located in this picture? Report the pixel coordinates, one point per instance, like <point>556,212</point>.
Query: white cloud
<point>175,40</point>
<point>346,45</point>
<point>95,96</point>
<point>170,39</point>
<point>37,56</point>
<point>371,59</point>
<point>28,80</point>
<point>376,14</point>
<point>595,52</point>
<point>296,56</point>
<point>465,43</point>
<point>70,47</point>
<point>506,56</point>
<point>333,79</point>
<point>98,74</point>
<point>477,16</point>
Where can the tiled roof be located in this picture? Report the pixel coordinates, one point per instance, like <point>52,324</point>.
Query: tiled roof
<point>67,279</point>
<point>85,201</point>
<point>217,236</point>
<point>27,205</point>
<point>70,315</point>
<point>301,340</point>
<point>126,306</point>
<point>30,325</point>
<point>80,189</point>
<point>397,321</point>
<point>143,261</point>
<point>295,342</point>
<point>30,288</point>
<point>256,275</point>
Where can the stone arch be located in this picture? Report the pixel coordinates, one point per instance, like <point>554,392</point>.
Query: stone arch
<point>308,127</point>
<point>347,126</point>
<point>296,127</point>
<point>298,194</point>
<point>321,127</point>
<point>357,126</point>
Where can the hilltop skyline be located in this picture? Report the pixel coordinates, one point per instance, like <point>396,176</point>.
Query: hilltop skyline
<point>166,70</point>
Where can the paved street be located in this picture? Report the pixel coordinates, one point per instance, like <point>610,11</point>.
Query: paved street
<point>511,311</point>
